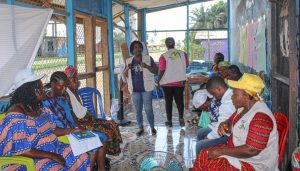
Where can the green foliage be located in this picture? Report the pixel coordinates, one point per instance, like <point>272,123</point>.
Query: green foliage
<point>119,38</point>
<point>214,17</point>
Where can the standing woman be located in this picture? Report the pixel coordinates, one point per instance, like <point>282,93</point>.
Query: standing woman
<point>28,131</point>
<point>172,77</point>
<point>140,71</point>
<point>87,119</point>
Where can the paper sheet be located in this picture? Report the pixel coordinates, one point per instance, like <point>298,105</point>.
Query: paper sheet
<point>85,145</point>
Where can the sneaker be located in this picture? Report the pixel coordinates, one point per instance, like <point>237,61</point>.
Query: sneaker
<point>153,131</point>
<point>181,122</point>
<point>140,132</point>
<point>168,124</point>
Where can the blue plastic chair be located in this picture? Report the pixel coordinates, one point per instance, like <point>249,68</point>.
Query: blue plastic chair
<point>86,95</point>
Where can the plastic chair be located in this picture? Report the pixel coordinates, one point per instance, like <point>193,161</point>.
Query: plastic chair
<point>26,161</point>
<point>86,95</point>
<point>282,128</point>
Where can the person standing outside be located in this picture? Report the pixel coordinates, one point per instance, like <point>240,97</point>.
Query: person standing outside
<point>140,71</point>
<point>172,77</point>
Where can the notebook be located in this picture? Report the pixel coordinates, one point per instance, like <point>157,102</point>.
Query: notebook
<point>83,135</point>
<point>82,142</point>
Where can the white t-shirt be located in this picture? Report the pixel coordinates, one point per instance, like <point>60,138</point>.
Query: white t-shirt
<point>226,109</point>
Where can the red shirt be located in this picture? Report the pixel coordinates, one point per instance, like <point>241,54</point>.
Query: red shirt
<point>260,128</point>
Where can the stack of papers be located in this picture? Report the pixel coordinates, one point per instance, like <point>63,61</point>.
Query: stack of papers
<point>82,142</point>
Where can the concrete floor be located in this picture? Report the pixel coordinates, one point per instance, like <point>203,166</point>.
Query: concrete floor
<point>178,142</point>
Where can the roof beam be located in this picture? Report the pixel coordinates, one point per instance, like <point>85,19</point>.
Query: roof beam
<point>122,3</point>
<point>154,9</point>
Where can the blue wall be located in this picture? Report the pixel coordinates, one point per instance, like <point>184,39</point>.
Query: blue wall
<point>94,7</point>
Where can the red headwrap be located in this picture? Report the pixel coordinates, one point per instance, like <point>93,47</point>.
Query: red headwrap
<point>71,72</point>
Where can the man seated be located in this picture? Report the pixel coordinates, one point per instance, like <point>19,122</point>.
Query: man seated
<point>220,110</point>
<point>253,144</point>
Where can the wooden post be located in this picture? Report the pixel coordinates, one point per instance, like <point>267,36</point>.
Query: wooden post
<point>293,68</point>
<point>106,78</point>
<point>90,56</point>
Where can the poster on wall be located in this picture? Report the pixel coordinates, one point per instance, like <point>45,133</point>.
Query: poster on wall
<point>252,48</point>
<point>260,41</point>
<point>249,45</point>
<point>253,45</point>
<point>243,45</point>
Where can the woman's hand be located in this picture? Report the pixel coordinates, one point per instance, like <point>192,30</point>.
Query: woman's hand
<point>224,128</point>
<point>129,66</point>
<point>157,85</point>
<point>78,129</point>
<point>58,158</point>
<point>144,65</point>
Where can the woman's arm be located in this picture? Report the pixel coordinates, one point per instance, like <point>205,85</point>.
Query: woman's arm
<point>153,68</point>
<point>34,153</point>
<point>243,151</point>
<point>129,66</point>
<point>260,129</point>
<point>64,131</point>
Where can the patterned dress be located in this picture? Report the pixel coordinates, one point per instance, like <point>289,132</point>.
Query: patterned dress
<point>107,130</point>
<point>258,136</point>
<point>63,114</point>
<point>108,127</point>
<point>20,133</point>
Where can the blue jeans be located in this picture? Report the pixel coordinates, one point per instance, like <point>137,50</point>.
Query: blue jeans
<point>205,143</point>
<point>139,99</point>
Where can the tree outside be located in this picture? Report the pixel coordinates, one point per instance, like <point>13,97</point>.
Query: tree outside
<point>213,18</point>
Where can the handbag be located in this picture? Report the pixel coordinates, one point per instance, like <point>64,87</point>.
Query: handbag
<point>204,120</point>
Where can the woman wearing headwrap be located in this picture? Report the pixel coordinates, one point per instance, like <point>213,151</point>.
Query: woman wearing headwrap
<point>219,57</point>
<point>86,119</point>
<point>253,144</point>
<point>28,130</point>
<point>223,69</point>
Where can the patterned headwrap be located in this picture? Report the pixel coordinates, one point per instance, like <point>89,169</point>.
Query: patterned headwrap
<point>71,72</point>
<point>224,64</point>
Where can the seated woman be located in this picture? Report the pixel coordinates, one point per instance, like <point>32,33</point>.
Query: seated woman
<point>64,117</point>
<point>87,120</point>
<point>201,102</point>
<point>219,57</point>
<point>223,69</point>
<point>253,144</point>
<point>234,73</point>
<point>26,132</point>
